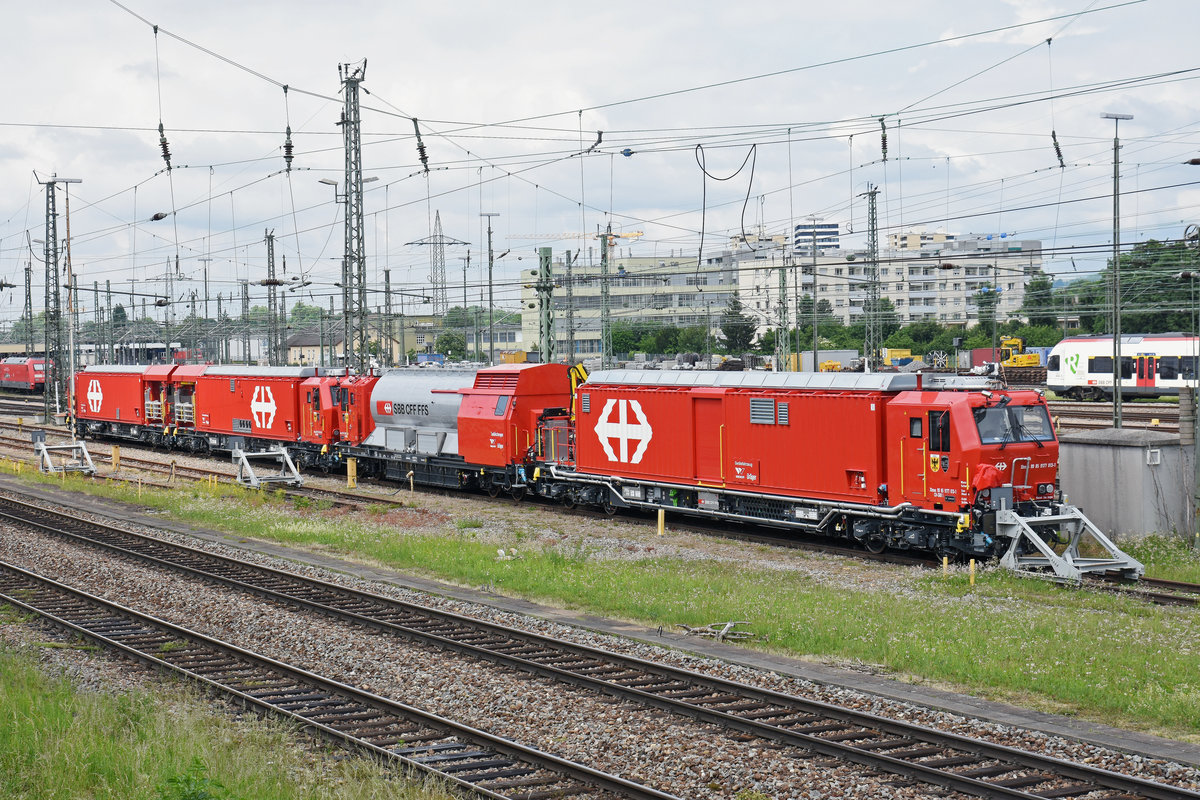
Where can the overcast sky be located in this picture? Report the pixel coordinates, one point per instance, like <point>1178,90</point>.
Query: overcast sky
<point>510,97</point>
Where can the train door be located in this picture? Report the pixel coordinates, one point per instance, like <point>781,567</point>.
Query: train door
<point>912,459</point>
<point>929,467</point>
<point>708,415</point>
<point>1146,369</point>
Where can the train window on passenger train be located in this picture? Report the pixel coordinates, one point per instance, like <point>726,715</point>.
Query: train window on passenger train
<point>1052,363</point>
<point>501,405</point>
<point>915,428</point>
<point>939,431</point>
<point>1100,364</point>
<point>1168,368</point>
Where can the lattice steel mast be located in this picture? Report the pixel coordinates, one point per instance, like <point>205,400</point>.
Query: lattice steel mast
<point>872,313</point>
<point>355,268</point>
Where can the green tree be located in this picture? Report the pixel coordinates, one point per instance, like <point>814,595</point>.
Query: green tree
<point>453,344</point>
<point>695,339</point>
<point>1039,305</point>
<point>624,337</point>
<point>736,326</point>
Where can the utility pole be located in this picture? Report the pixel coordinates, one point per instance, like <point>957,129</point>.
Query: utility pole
<point>782,339</point>
<point>169,311</point>
<point>205,261</point>
<point>813,222</point>
<point>29,309</point>
<point>246,321</point>
<point>389,332</point>
<point>466,310</point>
<point>491,307</point>
<point>871,310</point>
<point>272,303</point>
<point>606,353</point>
<point>545,290</point>
<point>111,336</point>
<point>356,346</point>
<point>1116,266</point>
<point>570,259</point>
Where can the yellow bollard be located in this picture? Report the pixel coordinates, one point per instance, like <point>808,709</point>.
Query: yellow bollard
<point>116,458</point>
<point>171,478</point>
<point>972,572</point>
<point>662,521</point>
<point>139,487</point>
<point>351,473</point>
<point>945,565</point>
<point>20,422</point>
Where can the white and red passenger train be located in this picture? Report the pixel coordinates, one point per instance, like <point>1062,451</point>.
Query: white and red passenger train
<point>882,459</point>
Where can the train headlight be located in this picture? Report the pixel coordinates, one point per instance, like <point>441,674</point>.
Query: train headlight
<point>1045,488</point>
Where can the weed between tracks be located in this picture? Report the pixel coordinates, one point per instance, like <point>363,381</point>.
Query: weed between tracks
<point>168,744</point>
<point>1078,652</point>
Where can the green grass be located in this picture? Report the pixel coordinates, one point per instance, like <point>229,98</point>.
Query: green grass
<point>1167,557</point>
<point>57,742</point>
<point>1079,652</point>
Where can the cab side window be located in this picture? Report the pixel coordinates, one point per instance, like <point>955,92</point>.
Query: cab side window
<point>939,431</point>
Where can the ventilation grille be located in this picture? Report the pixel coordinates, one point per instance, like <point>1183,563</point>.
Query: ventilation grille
<point>783,413</point>
<point>585,403</point>
<point>496,380</point>
<point>762,412</point>
<point>243,425</point>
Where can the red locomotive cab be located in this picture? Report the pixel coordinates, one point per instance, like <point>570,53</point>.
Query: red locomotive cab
<point>355,422</point>
<point>1016,439</point>
<point>319,413</point>
<point>949,446</point>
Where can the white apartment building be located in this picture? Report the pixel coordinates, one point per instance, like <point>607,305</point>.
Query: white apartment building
<point>937,280</point>
<point>656,290</point>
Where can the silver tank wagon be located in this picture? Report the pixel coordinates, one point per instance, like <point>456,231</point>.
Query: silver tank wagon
<point>416,410</point>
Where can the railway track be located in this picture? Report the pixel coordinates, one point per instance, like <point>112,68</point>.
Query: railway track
<point>471,759</point>
<point>920,754</point>
<point>340,499</point>
<point>1069,415</point>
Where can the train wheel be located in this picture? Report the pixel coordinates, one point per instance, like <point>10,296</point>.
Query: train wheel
<point>608,508</point>
<point>567,500</point>
<point>518,493</point>
<point>875,542</point>
<point>493,490</point>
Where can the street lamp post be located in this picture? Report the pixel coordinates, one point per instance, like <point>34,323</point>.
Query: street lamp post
<point>1116,264</point>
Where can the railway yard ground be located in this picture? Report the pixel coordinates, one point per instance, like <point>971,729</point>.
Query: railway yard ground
<point>1097,677</point>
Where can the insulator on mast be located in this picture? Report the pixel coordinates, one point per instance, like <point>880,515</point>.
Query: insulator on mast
<point>883,136</point>
<point>162,142</point>
<point>421,147</point>
<point>1058,150</point>
<point>287,150</point>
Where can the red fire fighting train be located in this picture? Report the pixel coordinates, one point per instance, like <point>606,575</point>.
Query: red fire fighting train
<point>882,459</point>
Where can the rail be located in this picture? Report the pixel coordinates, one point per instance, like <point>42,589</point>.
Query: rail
<point>971,766</point>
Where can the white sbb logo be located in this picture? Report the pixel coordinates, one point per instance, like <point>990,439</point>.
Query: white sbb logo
<point>1002,466</point>
<point>623,430</point>
<point>262,406</point>
<point>95,396</point>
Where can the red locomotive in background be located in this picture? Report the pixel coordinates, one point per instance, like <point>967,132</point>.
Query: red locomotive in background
<point>887,460</point>
<point>23,374</point>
